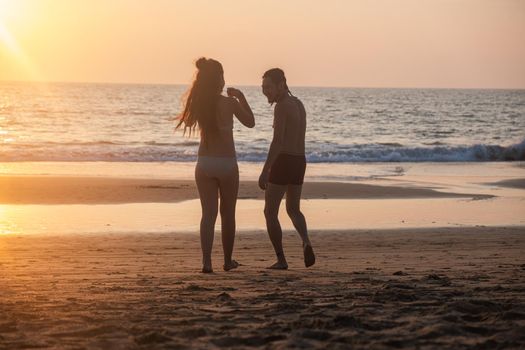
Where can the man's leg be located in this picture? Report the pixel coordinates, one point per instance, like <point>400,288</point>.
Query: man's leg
<point>293,202</point>
<point>272,200</point>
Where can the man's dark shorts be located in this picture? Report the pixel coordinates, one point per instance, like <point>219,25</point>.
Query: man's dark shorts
<point>288,169</point>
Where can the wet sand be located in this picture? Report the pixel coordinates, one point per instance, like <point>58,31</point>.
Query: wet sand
<point>514,183</point>
<point>109,190</point>
<point>449,288</point>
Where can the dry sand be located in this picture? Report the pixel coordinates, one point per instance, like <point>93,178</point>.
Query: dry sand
<point>450,288</point>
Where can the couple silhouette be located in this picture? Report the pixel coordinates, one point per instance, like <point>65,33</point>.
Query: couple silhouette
<point>207,110</point>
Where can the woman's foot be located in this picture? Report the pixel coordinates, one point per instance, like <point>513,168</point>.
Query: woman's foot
<point>207,268</point>
<point>230,265</point>
<point>206,265</point>
<point>309,256</point>
<point>280,265</point>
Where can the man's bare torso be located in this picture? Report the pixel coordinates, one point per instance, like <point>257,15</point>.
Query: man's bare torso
<point>295,126</point>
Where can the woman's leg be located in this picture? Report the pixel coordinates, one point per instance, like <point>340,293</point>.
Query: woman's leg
<point>228,188</point>
<point>272,201</point>
<point>208,194</point>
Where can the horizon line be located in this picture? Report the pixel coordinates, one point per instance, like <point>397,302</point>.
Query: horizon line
<point>249,85</point>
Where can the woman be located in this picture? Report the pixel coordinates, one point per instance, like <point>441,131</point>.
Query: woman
<point>216,171</point>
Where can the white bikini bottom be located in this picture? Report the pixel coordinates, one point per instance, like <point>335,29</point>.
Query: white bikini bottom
<point>216,167</point>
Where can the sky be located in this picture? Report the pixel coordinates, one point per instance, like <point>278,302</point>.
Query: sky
<point>340,43</point>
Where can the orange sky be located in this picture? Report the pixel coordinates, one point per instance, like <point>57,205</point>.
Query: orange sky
<point>373,43</point>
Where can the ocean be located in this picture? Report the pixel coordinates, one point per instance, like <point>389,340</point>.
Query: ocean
<point>70,122</point>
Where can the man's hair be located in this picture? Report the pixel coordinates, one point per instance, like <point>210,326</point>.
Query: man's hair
<point>277,76</point>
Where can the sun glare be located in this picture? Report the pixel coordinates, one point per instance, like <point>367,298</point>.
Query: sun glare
<point>8,8</point>
<point>7,39</point>
<point>10,12</point>
<point>7,227</point>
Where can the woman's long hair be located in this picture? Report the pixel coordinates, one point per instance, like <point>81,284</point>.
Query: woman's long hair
<point>200,104</point>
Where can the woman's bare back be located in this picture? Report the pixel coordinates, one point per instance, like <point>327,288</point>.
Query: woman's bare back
<point>220,143</point>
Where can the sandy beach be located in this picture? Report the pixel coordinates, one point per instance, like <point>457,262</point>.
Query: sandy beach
<point>430,289</point>
<point>429,259</point>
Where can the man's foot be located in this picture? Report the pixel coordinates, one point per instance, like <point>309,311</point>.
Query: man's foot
<point>279,266</point>
<point>230,266</point>
<point>309,257</point>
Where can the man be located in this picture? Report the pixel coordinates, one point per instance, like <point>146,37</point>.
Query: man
<point>283,171</point>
